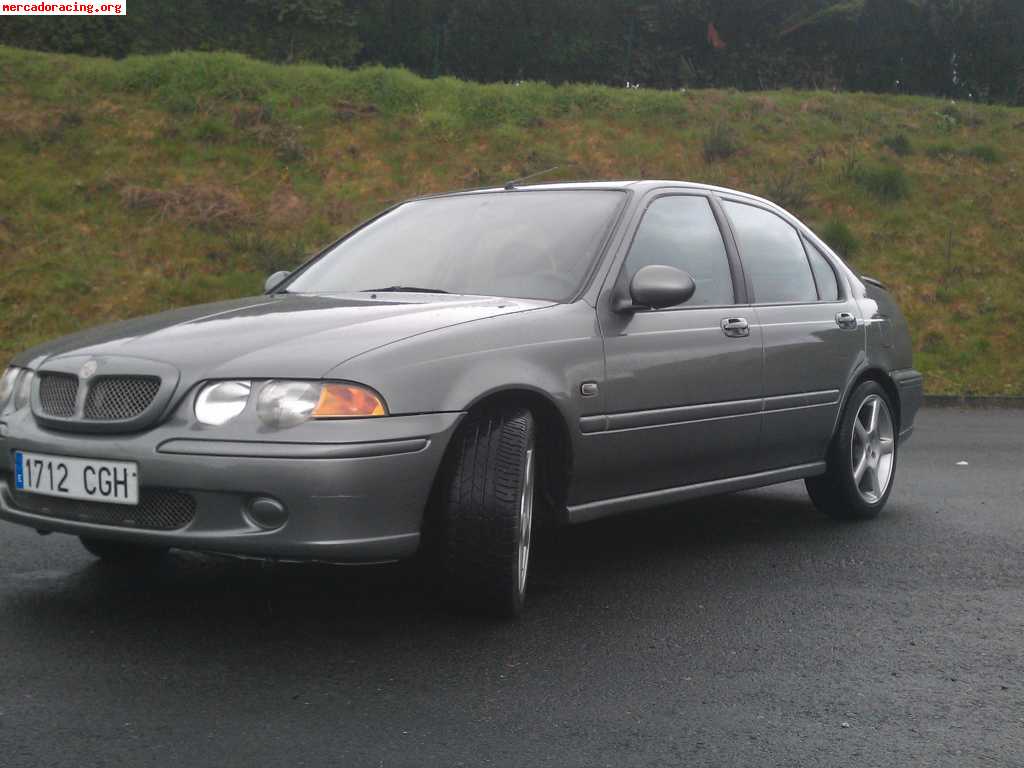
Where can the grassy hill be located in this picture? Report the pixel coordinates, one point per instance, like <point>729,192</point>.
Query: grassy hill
<point>132,186</point>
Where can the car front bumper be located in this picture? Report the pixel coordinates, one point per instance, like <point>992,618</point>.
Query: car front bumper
<point>352,492</point>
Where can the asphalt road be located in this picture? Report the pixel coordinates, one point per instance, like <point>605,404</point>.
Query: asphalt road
<point>741,631</point>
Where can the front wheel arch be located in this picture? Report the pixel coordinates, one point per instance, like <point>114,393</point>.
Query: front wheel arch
<point>554,444</point>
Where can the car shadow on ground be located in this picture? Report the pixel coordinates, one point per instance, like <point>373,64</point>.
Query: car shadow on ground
<point>664,549</point>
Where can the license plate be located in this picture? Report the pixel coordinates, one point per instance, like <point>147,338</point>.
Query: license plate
<point>113,482</point>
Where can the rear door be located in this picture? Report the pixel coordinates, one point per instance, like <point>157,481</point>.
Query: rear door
<point>813,333</point>
<point>683,385</point>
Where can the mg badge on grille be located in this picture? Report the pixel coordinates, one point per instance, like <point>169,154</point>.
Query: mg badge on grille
<point>87,370</point>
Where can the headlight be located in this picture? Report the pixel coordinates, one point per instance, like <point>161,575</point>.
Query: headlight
<point>7,384</point>
<point>288,403</point>
<point>220,402</point>
<point>23,391</point>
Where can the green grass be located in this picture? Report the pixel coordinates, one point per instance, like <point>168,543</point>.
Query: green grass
<point>132,186</point>
<point>888,183</point>
<point>899,144</point>
<point>841,238</point>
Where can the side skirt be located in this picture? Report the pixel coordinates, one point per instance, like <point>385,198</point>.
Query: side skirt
<point>594,510</point>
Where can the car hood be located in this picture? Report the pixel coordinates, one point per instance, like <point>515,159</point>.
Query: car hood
<point>296,336</point>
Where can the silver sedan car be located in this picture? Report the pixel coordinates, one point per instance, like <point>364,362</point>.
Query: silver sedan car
<point>463,368</point>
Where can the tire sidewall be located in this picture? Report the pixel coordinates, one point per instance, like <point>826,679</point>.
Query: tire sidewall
<point>480,530</point>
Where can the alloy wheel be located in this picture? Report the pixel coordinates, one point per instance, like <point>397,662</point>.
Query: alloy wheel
<point>873,449</point>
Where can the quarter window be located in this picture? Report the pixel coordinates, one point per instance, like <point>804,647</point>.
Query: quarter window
<point>773,256</point>
<point>681,231</point>
<point>824,276</point>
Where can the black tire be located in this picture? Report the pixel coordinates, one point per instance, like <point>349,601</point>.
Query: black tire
<point>837,493</point>
<point>121,552</point>
<point>479,517</point>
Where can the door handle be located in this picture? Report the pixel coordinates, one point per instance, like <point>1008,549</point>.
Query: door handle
<point>736,327</point>
<point>846,320</point>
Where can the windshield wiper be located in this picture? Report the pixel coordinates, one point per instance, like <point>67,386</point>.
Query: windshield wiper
<point>403,289</point>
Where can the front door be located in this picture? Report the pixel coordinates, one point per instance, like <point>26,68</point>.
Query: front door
<point>683,385</point>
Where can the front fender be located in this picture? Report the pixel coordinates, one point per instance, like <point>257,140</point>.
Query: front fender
<point>550,351</point>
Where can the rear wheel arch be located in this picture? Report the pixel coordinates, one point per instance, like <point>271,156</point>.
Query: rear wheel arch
<point>885,381</point>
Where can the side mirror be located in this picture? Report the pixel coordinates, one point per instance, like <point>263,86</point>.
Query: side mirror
<point>274,280</point>
<point>657,287</point>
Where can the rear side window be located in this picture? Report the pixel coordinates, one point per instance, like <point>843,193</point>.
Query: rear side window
<point>824,275</point>
<point>773,256</point>
<point>681,231</point>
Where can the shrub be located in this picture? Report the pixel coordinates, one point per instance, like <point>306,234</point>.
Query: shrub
<point>841,239</point>
<point>788,189</point>
<point>899,144</point>
<point>267,255</point>
<point>983,152</point>
<point>721,143</point>
<point>290,149</point>
<point>933,342</point>
<point>887,182</point>
<point>211,130</point>
<point>247,116</point>
<point>441,125</point>
<point>986,153</point>
<point>850,166</point>
<point>941,151</point>
<point>945,294</point>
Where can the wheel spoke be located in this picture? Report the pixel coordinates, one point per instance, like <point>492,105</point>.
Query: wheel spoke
<point>872,474</point>
<point>862,466</point>
<point>873,421</point>
<point>886,446</point>
<point>862,433</point>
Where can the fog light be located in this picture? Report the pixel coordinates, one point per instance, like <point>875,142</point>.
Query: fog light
<point>266,513</point>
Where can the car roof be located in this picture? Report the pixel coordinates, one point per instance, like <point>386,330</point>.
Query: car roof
<point>636,185</point>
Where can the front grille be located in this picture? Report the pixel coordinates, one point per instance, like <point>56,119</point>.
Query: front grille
<point>158,509</point>
<point>115,398</point>
<point>57,394</point>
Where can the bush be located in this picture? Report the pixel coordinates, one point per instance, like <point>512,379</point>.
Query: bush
<point>933,342</point>
<point>941,151</point>
<point>211,130</point>
<point>850,165</point>
<point>788,189</point>
<point>986,153</point>
<point>268,255</point>
<point>899,144</point>
<point>841,239</point>
<point>721,143</point>
<point>888,182</point>
<point>983,152</point>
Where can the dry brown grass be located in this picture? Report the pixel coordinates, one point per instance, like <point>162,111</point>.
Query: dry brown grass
<point>202,205</point>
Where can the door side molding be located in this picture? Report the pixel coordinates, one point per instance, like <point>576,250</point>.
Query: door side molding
<point>665,417</point>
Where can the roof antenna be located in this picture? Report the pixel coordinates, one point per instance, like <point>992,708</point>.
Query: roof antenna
<point>516,182</point>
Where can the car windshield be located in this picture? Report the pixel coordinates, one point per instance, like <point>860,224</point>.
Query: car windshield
<point>520,244</point>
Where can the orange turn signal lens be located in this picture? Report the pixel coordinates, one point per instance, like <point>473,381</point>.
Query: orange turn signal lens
<point>346,401</point>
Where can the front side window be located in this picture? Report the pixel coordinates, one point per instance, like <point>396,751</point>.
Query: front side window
<point>773,256</point>
<point>520,244</point>
<point>681,231</point>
